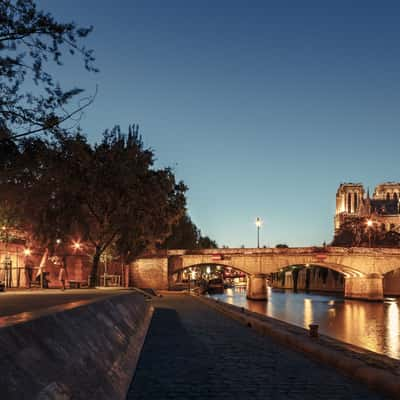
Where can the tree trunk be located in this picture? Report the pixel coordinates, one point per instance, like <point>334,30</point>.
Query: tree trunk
<point>95,268</point>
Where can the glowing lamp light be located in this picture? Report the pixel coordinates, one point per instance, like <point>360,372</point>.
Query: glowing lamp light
<point>76,245</point>
<point>58,241</point>
<point>258,225</point>
<point>369,223</point>
<point>27,252</point>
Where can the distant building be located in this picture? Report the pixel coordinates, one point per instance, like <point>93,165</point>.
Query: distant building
<point>383,208</point>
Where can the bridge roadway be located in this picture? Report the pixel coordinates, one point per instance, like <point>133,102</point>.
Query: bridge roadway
<point>193,352</point>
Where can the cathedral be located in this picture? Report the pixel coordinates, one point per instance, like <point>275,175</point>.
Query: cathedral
<point>382,209</point>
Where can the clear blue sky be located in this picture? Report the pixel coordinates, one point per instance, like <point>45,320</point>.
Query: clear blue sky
<point>262,107</point>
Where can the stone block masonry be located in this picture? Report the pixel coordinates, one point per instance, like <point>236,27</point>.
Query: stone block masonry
<point>82,350</point>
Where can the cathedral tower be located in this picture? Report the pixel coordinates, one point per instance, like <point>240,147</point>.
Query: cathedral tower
<point>349,200</point>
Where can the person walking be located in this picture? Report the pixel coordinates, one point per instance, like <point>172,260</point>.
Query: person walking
<point>62,275</point>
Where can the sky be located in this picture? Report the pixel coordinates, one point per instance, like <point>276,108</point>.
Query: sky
<point>261,107</point>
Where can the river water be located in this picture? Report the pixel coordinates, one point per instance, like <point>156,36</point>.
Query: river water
<point>372,325</point>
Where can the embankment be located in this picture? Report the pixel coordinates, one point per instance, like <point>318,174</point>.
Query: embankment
<point>82,350</point>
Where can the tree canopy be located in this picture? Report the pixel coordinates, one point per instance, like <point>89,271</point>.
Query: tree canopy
<point>356,232</point>
<point>108,195</point>
<point>186,235</point>
<point>31,99</point>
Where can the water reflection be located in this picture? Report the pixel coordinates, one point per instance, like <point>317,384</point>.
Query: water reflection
<point>392,329</point>
<point>308,312</point>
<point>375,326</point>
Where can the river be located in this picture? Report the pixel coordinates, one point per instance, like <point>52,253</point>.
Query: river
<point>371,325</point>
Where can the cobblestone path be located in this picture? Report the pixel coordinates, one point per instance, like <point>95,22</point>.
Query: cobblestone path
<point>193,352</point>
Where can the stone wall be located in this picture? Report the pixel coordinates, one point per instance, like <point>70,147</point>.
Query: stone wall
<point>367,288</point>
<point>149,273</point>
<point>89,351</point>
<point>391,283</point>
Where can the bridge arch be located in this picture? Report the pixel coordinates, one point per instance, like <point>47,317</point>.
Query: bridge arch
<point>205,264</point>
<point>199,272</point>
<point>312,277</point>
<point>393,268</point>
<point>345,270</point>
<point>363,268</point>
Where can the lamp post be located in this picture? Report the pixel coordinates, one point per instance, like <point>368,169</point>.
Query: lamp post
<point>258,225</point>
<point>369,224</point>
<point>7,259</point>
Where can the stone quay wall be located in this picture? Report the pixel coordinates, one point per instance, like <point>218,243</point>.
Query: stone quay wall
<point>81,350</point>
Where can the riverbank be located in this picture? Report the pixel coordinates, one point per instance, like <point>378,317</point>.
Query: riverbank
<point>372,325</point>
<point>193,352</point>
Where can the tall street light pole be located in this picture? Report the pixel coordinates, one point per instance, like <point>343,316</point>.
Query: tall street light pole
<point>258,225</point>
<point>369,224</point>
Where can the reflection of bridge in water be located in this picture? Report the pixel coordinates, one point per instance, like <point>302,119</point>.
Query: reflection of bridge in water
<point>363,268</point>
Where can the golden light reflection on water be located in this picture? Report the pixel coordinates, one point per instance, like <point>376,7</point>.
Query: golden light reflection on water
<point>372,325</point>
<point>229,296</point>
<point>392,329</point>
<point>308,312</point>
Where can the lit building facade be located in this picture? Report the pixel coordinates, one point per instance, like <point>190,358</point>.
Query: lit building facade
<point>383,208</point>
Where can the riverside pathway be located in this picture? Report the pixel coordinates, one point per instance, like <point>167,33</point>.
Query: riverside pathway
<point>194,352</point>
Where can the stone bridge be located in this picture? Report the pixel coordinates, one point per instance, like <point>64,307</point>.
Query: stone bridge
<point>363,268</point>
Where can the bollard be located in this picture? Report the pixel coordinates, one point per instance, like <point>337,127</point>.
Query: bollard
<point>313,330</point>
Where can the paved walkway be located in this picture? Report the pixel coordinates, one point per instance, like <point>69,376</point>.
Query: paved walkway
<point>193,352</point>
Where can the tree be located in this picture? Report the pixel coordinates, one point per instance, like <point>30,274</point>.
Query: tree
<point>353,232</point>
<point>281,246</point>
<point>29,40</point>
<point>205,242</point>
<point>186,235</point>
<point>108,195</point>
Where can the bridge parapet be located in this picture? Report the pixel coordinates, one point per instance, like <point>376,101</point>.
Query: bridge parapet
<point>288,250</point>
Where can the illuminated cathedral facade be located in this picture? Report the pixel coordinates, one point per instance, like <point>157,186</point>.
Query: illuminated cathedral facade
<point>383,208</point>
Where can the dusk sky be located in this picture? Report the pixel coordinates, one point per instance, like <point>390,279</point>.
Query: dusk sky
<point>262,107</point>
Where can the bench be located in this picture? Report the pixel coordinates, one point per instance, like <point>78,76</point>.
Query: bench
<point>75,284</point>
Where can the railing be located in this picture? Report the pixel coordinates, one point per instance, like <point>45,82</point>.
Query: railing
<point>108,280</point>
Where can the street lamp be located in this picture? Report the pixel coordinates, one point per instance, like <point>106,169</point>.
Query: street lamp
<point>7,260</point>
<point>369,224</point>
<point>258,225</point>
<point>76,245</point>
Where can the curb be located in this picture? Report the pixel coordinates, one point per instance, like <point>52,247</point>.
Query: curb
<point>379,372</point>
